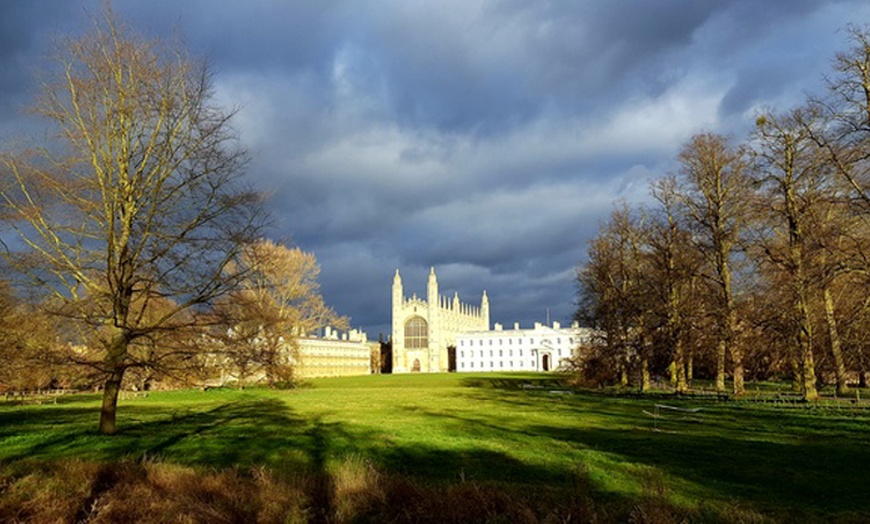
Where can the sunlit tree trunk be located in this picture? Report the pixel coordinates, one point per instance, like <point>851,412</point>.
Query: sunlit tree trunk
<point>690,369</point>
<point>116,354</point>
<point>836,344</point>
<point>679,367</point>
<point>804,334</point>
<point>643,351</point>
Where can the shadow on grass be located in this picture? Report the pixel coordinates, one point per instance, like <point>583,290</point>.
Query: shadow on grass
<point>807,476</point>
<point>789,462</point>
<point>786,461</point>
<point>419,483</point>
<point>235,432</point>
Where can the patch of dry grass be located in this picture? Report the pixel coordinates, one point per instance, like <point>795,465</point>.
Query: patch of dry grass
<point>148,491</point>
<point>153,491</point>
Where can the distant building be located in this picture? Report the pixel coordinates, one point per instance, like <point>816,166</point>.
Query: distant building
<point>333,355</point>
<point>541,348</point>
<point>424,331</point>
<point>441,334</point>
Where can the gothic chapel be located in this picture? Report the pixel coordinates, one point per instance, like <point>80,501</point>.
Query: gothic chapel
<point>423,330</point>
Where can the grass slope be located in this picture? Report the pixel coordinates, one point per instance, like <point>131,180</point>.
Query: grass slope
<point>518,432</point>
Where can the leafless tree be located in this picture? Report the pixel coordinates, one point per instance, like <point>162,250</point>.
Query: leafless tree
<point>278,302</point>
<point>673,269</point>
<point>795,190</point>
<point>713,191</point>
<point>611,294</point>
<point>139,201</point>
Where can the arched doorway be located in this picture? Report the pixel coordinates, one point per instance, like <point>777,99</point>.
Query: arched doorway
<point>416,367</point>
<point>451,358</point>
<point>545,361</point>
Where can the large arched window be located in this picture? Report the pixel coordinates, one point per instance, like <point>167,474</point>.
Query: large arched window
<point>416,333</point>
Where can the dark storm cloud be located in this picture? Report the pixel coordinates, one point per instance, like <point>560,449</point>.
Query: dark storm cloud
<point>26,34</point>
<point>486,138</point>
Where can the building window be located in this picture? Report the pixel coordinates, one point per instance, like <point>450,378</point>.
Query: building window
<point>416,333</point>
<point>501,352</point>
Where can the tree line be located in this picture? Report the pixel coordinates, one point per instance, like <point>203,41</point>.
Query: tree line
<point>753,261</point>
<point>133,244</point>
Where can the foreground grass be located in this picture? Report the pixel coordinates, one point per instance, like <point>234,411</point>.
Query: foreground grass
<point>455,447</point>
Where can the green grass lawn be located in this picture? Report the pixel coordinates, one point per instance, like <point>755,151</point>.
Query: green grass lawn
<point>518,431</point>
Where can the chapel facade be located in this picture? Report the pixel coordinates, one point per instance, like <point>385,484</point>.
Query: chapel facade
<point>423,331</point>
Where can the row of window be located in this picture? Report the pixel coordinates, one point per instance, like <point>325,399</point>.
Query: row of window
<point>501,364</point>
<point>510,341</point>
<point>500,353</point>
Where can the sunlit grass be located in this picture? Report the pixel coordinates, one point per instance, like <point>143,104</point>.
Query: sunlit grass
<point>520,431</point>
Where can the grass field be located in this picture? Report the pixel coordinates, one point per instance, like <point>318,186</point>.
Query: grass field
<point>512,446</point>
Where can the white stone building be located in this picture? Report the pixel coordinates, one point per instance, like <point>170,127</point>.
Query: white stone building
<point>423,330</point>
<point>333,355</point>
<point>542,348</point>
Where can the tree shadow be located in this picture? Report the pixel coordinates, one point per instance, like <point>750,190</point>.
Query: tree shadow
<point>827,477</point>
<point>515,383</point>
<point>792,463</point>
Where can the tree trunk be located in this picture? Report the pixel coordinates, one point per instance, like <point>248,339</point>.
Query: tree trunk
<point>690,368</point>
<point>794,361</point>
<point>836,348</point>
<point>116,353</point>
<point>736,351</point>
<point>644,351</point>
<point>644,372</point>
<point>679,367</point>
<point>809,375</point>
<point>110,402</point>
<point>623,373</point>
<point>737,360</point>
<point>807,367</point>
<point>720,366</point>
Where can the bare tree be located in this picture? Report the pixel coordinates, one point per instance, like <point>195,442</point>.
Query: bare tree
<point>846,136</point>
<point>611,295</point>
<point>673,266</point>
<point>277,302</point>
<point>796,191</point>
<point>138,202</point>
<point>714,192</point>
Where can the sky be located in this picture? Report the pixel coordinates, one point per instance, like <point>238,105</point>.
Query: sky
<point>486,139</point>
